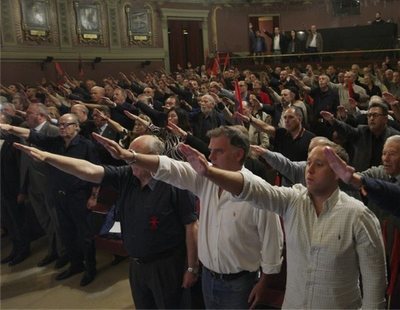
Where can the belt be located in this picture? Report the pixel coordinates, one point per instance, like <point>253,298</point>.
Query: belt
<point>227,276</point>
<point>155,257</point>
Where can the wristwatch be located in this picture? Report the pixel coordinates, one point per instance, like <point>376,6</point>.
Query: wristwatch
<point>193,270</point>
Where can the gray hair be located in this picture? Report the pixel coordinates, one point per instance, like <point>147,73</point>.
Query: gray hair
<point>236,135</point>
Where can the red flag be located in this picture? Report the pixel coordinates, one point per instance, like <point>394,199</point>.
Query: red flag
<point>238,97</point>
<point>394,263</point>
<point>59,70</point>
<point>80,66</point>
<point>351,90</point>
<point>226,62</point>
<point>215,67</point>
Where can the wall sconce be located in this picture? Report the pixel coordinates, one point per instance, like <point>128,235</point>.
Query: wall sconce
<point>96,61</point>
<point>46,61</point>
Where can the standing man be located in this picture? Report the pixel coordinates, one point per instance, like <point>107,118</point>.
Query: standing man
<point>314,43</point>
<point>34,183</point>
<point>235,240</point>
<point>367,140</point>
<point>71,197</point>
<point>279,42</point>
<point>332,239</point>
<point>158,224</point>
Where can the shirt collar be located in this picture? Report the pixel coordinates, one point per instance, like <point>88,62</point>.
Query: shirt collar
<point>39,127</point>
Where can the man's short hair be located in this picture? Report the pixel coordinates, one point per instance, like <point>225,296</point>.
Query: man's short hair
<point>82,107</point>
<point>380,105</point>
<point>105,110</point>
<point>323,141</point>
<point>395,139</point>
<point>298,111</point>
<point>42,109</point>
<point>156,146</point>
<point>236,135</point>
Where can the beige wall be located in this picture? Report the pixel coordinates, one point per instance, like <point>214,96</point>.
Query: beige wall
<point>227,30</point>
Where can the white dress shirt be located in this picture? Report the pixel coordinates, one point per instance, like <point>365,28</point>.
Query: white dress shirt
<point>325,253</point>
<point>233,236</point>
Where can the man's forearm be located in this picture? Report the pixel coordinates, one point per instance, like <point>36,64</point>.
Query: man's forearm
<point>191,244</point>
<point>78,167</point>
<point>20,132</point>
<point>228,180</point>
<point>146,161</point>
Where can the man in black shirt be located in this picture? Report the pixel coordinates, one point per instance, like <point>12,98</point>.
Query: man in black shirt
<point>158,224</point>
<point>71,197</point>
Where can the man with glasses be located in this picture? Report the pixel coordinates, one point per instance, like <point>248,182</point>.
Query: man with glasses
<point>71,197</point>
<point>366,140</point>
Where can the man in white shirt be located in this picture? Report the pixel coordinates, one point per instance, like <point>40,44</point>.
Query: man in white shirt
<point>235,240</point>
<point>331,238</point>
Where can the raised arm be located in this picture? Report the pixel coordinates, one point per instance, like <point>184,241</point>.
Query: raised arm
<point>228,180</point>
<point>345,172</point>
<point>146,161</point>
<point>292,170</point>
<point>15,130</point>
<point>80,168</point>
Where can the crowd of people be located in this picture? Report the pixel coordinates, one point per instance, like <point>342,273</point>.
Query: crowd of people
<point>219,179</point>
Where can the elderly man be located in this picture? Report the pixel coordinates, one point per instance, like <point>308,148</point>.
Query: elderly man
<point>206,119</point>
<point>70,197</point>
<point>332,239</point>
<point>235,240</point>
<point>348,89</point>
<point>159,225</point>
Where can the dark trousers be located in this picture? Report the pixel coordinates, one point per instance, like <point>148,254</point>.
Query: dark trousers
<point>158,284</point>
<point>75,221</point>
<point>15,216</point>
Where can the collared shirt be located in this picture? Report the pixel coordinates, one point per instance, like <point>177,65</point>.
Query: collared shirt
<point>325,253</point>
<point>313,42</point>
<point>40,126</point>
<point>233,236</point>
<point>277,46</point>
<point>152,217</point>
<point>293,148</point>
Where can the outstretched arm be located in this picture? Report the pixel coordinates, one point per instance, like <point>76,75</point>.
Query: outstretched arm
<point>228,180</point>
<point>80,168</point>
<point>146,161</point>
<point>343,171</point>
<point>18,131</point>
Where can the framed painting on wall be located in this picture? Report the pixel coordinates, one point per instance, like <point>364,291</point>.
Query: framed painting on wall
<point>35,18</point>
<point>88,19</point>
<point>139,24</point>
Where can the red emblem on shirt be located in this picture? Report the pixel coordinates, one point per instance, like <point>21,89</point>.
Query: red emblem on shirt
<point>154,222</point>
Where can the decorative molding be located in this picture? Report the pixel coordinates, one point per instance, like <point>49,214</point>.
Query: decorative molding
<point>65,35</point>
<point>8,28</point>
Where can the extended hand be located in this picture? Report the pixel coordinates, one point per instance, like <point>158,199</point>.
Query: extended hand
<point>112,147</point>
<point>196,159</point>
<point>338,165</point>
<point>31,151</point>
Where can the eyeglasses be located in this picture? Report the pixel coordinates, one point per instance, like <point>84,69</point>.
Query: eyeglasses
<point>65,125</point>
<point>374,115</point>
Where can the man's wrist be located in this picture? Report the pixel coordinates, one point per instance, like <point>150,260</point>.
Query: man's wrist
<point>194,270</point>
<point>132,158</point>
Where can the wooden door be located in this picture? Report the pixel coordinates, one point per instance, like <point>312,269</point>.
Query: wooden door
<point>185,43</point>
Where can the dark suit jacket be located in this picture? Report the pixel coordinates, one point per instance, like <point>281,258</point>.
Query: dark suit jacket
<point>33,173</point>
<point>361,140</point>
